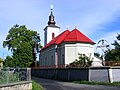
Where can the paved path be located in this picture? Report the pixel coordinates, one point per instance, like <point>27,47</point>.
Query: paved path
<point>57,85</point>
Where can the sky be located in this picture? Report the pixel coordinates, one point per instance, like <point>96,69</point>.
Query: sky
<point>97,19</point>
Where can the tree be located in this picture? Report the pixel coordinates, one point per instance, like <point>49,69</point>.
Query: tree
<point>116,43</point>
<point>114,54</point>
<point>17,35</point>
<point>19,41</point>
<point>23,55</point>
<point>8,62</point>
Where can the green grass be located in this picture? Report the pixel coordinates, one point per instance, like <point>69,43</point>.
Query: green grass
<point>36,86</point>
<point>98,83</point>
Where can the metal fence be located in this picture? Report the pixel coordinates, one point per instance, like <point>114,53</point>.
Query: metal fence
<point>11,75</point>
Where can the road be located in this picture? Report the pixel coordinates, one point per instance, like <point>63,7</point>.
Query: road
<point>57,85</point>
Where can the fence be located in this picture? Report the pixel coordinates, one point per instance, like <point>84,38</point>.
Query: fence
<point>11,75</point>
<point>95,74</point>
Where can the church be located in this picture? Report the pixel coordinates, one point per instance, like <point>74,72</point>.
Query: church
<point>61,49</point>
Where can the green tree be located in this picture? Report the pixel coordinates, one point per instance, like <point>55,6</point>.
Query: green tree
<point>8,62</point>
<point>16,35</point>
<point>114,54</point>
<point>23,55</point>
<point>19,41</point>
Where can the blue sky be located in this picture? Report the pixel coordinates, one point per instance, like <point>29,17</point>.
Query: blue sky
<point>98,19</point>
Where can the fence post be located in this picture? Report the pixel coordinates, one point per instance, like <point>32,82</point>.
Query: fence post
<point>29,74</point>
<point>110,75</point>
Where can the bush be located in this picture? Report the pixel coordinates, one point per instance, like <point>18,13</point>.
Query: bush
<point>82,61</point>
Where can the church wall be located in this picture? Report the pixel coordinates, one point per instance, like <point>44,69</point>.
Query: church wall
<point>72,50</point>
<point>47,57</point>
<point>66,53</point>
<point>70,53</point>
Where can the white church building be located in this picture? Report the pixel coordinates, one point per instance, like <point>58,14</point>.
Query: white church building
<point>61,49</point>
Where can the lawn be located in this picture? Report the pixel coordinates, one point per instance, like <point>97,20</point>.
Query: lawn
<point>36,86</point>
<point>98,83</point>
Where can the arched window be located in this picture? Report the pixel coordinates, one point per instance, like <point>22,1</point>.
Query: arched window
<point>53,35</point>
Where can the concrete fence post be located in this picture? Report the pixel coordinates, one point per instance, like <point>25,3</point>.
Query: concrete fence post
<point>28,74</point>
<point>110,76</point>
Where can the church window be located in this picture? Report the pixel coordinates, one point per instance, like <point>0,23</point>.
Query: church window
<point>53,35</point>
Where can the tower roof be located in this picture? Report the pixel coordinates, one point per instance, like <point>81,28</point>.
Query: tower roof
<point>70,36</point>
<point>51,21</point>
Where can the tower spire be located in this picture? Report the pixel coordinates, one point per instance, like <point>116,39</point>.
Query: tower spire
<point>51,18</point>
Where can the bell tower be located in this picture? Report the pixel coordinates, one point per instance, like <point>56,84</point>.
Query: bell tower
<point>51,30</point>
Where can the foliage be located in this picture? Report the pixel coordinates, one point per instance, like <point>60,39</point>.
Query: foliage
<point>23,56</point>
<point>36,86</point>
<point>114,54</point>
<point>19,41</point>
<point>9,61</point>
<point>82,61</point>
<point>17,35</point>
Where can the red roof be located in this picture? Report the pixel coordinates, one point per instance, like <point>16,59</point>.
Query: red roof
<point>67,36</point>
<point>77,36</point>
<point>58,39</point>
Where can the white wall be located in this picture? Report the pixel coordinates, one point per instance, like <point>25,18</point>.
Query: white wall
<point>72,50</point>
<point>67,53</point>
